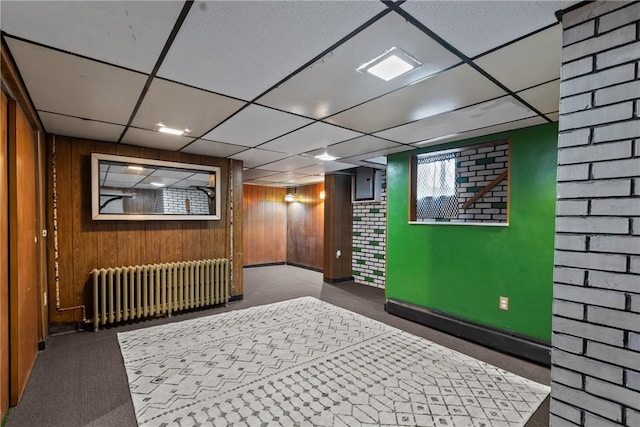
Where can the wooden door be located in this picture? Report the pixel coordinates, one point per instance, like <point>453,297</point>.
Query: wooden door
<point>23,253</point>
<point>4,262</point>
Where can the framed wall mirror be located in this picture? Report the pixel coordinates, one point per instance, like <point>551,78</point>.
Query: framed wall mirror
<point>465,185</point>
<point>131,188</point>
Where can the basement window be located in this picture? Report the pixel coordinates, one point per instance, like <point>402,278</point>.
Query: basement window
<point>463,185</point>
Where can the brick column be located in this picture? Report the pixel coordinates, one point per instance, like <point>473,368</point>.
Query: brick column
<point>596,309</point>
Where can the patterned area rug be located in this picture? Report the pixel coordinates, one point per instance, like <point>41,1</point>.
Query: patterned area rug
<point>304,362</point>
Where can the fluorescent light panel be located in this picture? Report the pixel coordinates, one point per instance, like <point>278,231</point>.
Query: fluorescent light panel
<point>391,64</point>
<point>326,157</point>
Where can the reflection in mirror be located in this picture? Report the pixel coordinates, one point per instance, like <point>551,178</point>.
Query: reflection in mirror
<point>464,185</point>
<point>139,189</point>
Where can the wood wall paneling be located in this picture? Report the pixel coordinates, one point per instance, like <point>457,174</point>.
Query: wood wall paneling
<point>305,227</point>
<point>238,215</point>
<point>23,252</point>
<point>86,244</point>
<point>337,228</point>
<point>264,225</point>
<point>4,261</point>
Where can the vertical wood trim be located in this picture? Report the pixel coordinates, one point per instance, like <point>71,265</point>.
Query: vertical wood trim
<point>338,224</point>
<point>413,198</point>
<point>43,318</point>
<point>4,261</point>
<point>23,255</point>
<point>238,258</point>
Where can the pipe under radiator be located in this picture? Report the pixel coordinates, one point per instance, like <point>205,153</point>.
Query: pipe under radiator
<point>140,291</point>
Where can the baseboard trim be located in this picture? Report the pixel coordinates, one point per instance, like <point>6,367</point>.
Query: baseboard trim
<point>265,264</point>
<point>306,267</point>
<point>501,340</point>
<point>239,297</point>
<point>338,280</point>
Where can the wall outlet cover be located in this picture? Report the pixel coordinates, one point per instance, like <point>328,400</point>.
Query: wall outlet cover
<point>504,303</point>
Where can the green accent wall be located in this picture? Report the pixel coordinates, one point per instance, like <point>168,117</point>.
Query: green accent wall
<point>464,269</point>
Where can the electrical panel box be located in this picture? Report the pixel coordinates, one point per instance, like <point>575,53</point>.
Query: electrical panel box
<point>367,184</point>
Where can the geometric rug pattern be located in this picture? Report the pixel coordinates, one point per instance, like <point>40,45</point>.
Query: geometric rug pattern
<point>305,362</point>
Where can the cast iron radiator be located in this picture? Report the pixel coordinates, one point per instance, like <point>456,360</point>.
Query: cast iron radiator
<point>139,291</point>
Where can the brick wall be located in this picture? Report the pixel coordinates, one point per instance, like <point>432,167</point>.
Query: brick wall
<point>596,309</point>
<point>173,201</point>
<point>370,240</point>
<point>477,167</point>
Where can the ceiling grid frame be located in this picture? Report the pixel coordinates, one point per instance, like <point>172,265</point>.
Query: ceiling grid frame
<point>390,7</point>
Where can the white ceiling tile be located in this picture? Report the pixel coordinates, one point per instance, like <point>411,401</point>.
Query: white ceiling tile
<point>257,157</point>
<point>362,157</point>
<point>242,48</point>
<point>553,116</point>
<point>256,174</point>
<point>474,27</point>
<point>526,63</point>
<point>353,147</point>
<point>332,84</point>
<point>325,167</point>
<point>316,135</point>
<point>517,124</point>
<point>447,91</point>
<point>381,160</point>
<point>178,106</point>
<point>255,125</point>
<point>490,113</point>
<point>284,177</point>
<point>153,139</point>
<point>129,34</point>
<point>212,148</point>
<point>311,179</point>
<point>67,84</point>
<point>289,164</point>
<point>79,128</point>
<point>546,97</point>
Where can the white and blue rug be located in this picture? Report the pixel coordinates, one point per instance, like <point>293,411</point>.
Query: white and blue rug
<point>305,362</point>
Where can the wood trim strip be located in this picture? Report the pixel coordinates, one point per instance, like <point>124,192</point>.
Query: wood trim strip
<point>12,82</point>
<point>486,189</point>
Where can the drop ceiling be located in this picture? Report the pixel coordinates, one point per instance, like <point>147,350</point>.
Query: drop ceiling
<point>274,83</point>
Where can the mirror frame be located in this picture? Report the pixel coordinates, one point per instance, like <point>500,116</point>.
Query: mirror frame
<point>95,188</point>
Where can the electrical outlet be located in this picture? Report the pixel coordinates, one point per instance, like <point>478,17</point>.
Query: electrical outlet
<point>504,303</point>
<point>338,253</point>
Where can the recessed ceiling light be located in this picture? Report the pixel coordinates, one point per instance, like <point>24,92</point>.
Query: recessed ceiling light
<point>326,157</point>
<point>157,184</point>
<point>171,131</point>
<point>391,64</point>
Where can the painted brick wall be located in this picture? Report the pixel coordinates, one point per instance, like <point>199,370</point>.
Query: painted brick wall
<point>173,201</point>
<point>596,308</point>
<point>370,240</point>
<point>477,168</point>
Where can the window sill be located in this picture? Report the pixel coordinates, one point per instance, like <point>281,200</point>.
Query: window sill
<point>482,224</point>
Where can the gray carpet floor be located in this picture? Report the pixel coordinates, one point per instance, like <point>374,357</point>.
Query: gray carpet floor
<point>80,380</point>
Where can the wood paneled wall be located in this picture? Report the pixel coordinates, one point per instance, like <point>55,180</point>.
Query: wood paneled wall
<point>85,244</point>
<point>305,227</point>
<point>265,225</point>
<point>337,228</point>
<point>4,261</point>
<point>24,250</point>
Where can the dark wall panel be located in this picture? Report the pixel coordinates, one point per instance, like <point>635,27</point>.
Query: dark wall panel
<point>305,227</point>
<point>265,225</point>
